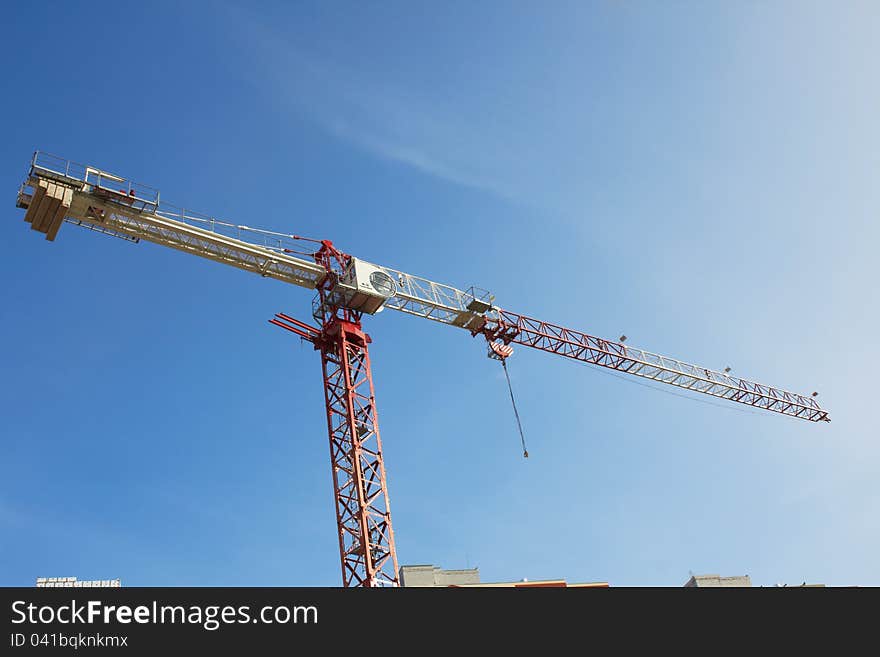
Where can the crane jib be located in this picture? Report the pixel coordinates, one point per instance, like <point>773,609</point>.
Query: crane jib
<point>519,329</point>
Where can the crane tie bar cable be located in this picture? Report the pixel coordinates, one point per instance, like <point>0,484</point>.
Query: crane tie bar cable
<point>515,412</point>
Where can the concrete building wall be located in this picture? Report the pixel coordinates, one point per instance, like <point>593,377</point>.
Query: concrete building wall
<point>427,575</point>
<point>706,581</point>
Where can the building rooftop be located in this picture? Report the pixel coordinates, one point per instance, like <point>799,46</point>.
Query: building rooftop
<point>73,582</point>
<point>433,576</point>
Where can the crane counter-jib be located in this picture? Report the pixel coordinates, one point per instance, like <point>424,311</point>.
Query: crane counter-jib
<point>91,207</point>
<point>94,199</point>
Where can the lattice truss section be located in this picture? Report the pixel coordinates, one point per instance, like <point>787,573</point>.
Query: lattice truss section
<point>207,244</point>
<point>424,298</point>
<point>512,327</point>
<point>363,512</point>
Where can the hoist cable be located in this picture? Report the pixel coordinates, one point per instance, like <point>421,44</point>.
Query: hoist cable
<point>515,412</point>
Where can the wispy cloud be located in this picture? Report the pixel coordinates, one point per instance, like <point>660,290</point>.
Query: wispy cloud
<point>391,149</point>
<point>371,116</point>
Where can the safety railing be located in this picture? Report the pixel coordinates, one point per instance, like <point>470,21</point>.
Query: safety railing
<point>110,187</point>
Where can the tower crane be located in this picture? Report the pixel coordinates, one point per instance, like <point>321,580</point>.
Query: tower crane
<point>58,191</point>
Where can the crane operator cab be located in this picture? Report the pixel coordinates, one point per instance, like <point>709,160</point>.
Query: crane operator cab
<point>364,287</point>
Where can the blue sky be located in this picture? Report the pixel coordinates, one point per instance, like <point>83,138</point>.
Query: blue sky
<point>699,176</point>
